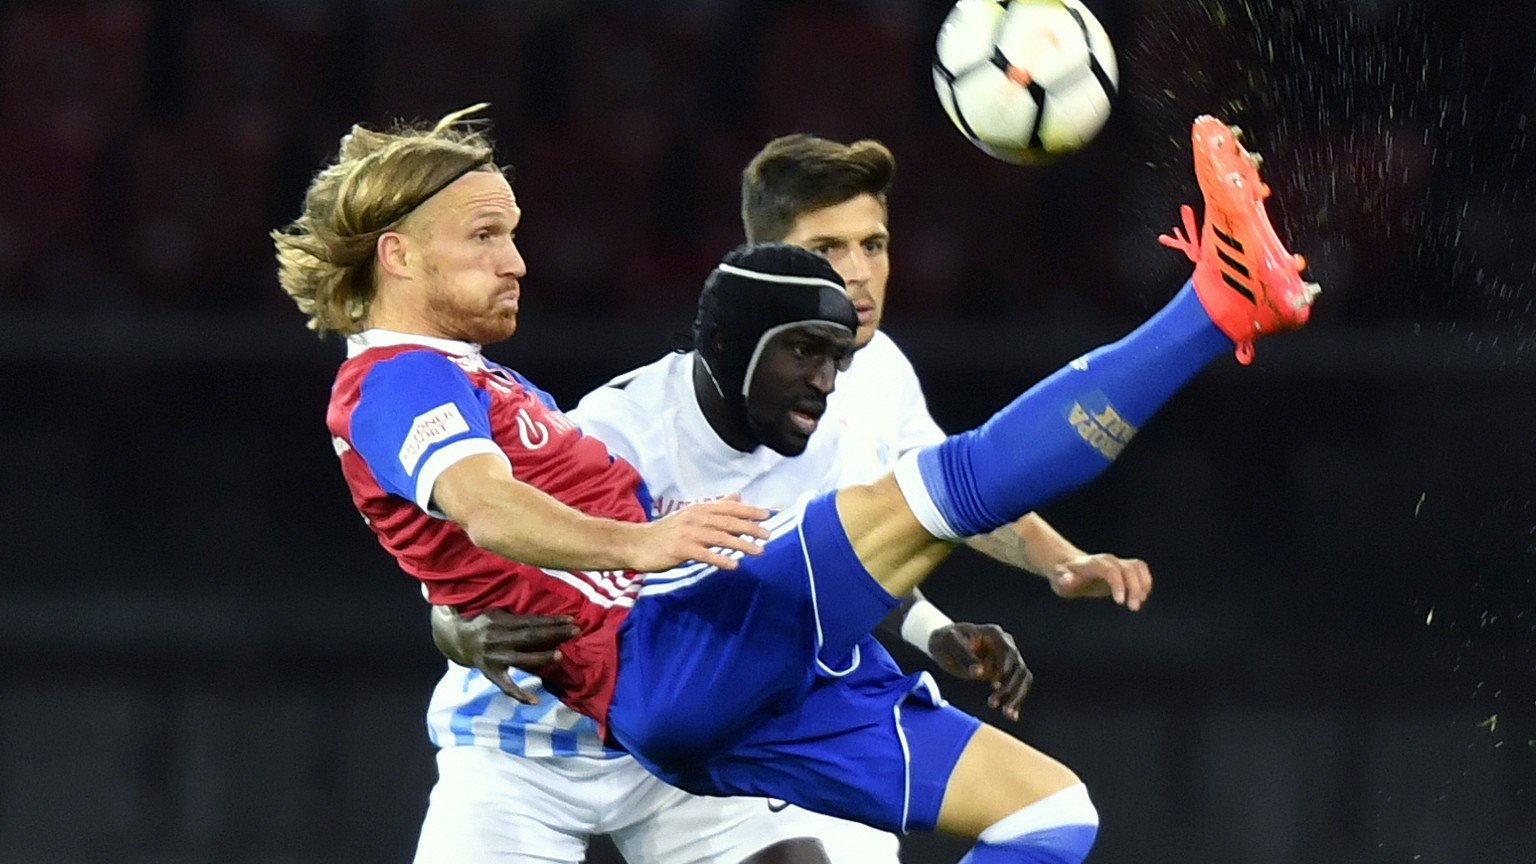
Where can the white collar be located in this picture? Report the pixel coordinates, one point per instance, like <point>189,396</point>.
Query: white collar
<point>377,337</point>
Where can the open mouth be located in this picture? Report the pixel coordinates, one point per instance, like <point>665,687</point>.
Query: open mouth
<point>804,422</point>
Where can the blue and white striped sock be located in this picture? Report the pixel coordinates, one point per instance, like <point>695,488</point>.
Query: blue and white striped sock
<point>1057,829</point>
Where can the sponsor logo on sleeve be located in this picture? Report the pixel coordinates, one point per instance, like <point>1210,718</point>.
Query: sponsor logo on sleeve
<point>1100,425</point>
<point>439,424</point>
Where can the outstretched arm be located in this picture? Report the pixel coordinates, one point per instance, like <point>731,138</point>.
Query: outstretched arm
<point>1032,544</point>
<point>520,522</point>
<point>976,652</point>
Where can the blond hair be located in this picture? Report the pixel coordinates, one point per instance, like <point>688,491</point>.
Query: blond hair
<point>795,174</point>
<point>325,256</point>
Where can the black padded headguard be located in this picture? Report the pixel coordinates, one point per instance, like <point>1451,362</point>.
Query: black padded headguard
<point>755,292</point>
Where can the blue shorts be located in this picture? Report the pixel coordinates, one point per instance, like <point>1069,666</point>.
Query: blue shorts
<point>764,681</point>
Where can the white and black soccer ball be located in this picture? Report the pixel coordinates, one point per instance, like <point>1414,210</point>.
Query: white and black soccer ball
<point>1025,80</point>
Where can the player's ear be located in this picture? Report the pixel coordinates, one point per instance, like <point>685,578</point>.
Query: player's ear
<point>391,250</point>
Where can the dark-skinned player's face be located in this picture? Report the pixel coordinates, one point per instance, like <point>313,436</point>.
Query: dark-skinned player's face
<point>791,382</point>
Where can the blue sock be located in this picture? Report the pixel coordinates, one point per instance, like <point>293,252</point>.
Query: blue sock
<point>1062,432</point>
<point>1057,829</point>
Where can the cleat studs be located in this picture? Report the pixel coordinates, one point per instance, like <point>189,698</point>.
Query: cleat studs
<point>1256,159</point>
<point>1237,132</point>
<point>1301,262</point>
<point>1263,190</point>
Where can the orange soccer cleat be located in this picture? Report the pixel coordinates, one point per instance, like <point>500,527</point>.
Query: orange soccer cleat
<point>1245,278</point>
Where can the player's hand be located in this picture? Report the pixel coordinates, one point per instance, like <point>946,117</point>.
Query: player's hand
<point>1127,580</point>
<point>699,532</point>
<point>984,652</point>
<point>497,641</point>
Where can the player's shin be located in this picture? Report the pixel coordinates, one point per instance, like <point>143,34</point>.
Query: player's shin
<point>1062,432</point>
<point>1057,829</point>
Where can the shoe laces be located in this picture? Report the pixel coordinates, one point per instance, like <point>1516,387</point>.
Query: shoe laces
<point>1185,239</point>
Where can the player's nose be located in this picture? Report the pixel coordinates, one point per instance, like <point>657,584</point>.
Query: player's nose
<point>855,269</point>
<point>512,263</point>
<point>824,377</point>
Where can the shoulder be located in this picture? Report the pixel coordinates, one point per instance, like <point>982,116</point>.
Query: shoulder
<point>644,382</point>
<point>637,399</point>
<point>399,367</point>
<point>397,358</point>
<point>882,360</point>
<point>884,350</point>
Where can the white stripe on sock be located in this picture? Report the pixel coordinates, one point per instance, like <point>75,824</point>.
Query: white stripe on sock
<point>909,477</point>
<point>1070,806</point>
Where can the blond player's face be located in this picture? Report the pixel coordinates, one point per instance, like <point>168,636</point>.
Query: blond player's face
<point>470,266</point>
<point>852,236</point>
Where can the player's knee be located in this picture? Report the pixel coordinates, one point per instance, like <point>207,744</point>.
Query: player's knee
<point>998,775</point>
<point>1058,829</point>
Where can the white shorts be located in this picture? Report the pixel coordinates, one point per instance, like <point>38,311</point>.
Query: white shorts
<point>490,806</point>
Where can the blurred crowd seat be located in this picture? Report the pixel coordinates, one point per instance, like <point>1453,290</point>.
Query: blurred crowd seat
<point>71,79</point>
<point>150,146</point>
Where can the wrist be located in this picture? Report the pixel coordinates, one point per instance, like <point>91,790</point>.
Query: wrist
<point>447,634</point>
<point>920,623</point>
<point>623,546</point>
<point>1052,564</point>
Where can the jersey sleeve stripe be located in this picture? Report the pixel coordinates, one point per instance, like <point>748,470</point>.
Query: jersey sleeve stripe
<point>444,458</point>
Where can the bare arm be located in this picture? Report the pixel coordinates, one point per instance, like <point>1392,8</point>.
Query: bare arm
<point>1032,544</point>
<point>518,521</point>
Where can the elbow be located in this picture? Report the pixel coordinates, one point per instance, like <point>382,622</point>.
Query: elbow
<point>483,532</point>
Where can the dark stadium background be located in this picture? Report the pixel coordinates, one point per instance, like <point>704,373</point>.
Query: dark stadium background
<point>207,659</point>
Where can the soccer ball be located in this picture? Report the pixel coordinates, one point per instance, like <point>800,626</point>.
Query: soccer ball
<point>1025,80</point>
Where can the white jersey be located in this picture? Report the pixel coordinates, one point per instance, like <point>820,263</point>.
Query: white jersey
<point>880,402</point>
<point>651,418</point>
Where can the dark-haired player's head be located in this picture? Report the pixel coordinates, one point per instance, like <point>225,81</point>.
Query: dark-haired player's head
<point>831,198</point>
<point>774,326</point>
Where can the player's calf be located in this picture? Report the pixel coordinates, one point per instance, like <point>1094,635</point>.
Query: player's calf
<point>1064,431</point>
